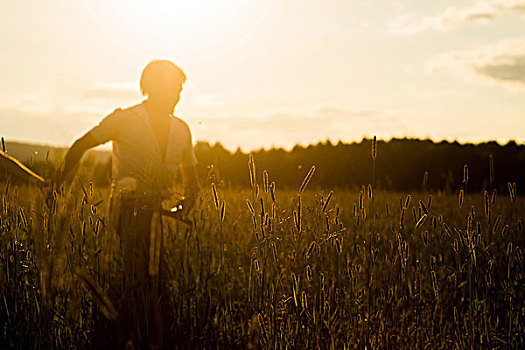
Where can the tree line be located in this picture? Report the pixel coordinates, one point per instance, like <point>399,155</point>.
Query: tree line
<point>400,165</point>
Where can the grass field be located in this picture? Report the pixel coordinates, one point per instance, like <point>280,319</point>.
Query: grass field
<point>271,268</point>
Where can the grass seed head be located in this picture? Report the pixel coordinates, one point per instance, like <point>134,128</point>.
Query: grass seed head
<point>374,148</point>
<point>250,207</point>
<point>251,167</point>
<point>407,201</point>
<point>421,221</point>
<point>265,181</point>
<point>327,200</point>
<point>215,196</point>
<point>223,210</point>
<point>307,179</point>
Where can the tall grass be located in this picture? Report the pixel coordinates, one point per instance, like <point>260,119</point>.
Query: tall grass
<point>271,268</point>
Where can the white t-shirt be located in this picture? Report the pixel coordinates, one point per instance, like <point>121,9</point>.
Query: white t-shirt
<point>137,160</point>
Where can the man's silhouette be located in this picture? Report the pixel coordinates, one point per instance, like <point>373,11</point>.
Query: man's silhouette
<point>149,146</point>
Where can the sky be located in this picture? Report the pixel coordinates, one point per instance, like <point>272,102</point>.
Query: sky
<point>270,73</point>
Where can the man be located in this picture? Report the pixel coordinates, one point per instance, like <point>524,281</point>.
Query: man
<point>149,145</point>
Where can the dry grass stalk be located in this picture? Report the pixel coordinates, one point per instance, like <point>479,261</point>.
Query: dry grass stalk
<point>223,210</point>
<point>155,244</point>
<point>304,300</point>
<point>374,147</point>
<point>330,195</point>
<point>496,224</point>
<point>307,179</point>
<point>299,213</point>
<point>486,203</point>
<point>215,196</point>
<point>512,191</point>
<point>421,221</point>
<point>494,197</point>
<point>407,201</point>
<point>310,250</point>
<point>423,207</point>
<point>447,229</point>
<point>250,207</point>
<point>505,230</point>
<point>274,252</point>
<point>295,289</point>
<point>251,167</point>
<point>101,299</point>
<point>261,202</point>
<point>339,245</point>
<point>265,181</point>
<point>402,217</point>
<point>308,273</point>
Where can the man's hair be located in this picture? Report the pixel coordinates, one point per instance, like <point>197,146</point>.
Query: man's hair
<point>158,72</point>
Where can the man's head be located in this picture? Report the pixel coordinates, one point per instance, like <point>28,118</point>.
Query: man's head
<point>162,81</point>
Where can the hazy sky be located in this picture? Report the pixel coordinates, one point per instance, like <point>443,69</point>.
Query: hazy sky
<point>270,73</point>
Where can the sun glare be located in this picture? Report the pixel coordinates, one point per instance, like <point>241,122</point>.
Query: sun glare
<point>152,27</point>
<point>202,11</point>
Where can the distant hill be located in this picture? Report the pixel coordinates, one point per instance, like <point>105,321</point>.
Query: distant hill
<point>33,153</point>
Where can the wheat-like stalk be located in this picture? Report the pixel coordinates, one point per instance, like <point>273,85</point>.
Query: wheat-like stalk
<point>101,299</point>
<point>265,181</point>
<point>215,196</point>
<point>327,200</point>
<point>374,148</point>
<point>251,167</point>
<point>307,179</point>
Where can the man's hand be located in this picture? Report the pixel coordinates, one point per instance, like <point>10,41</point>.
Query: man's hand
<point>191,186</point>
<point>74,154</point>
<point>178,212</point>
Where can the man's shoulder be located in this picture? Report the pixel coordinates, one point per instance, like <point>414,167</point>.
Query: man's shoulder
<point>135,109</point>
<point>180,124</point>
<point>124,114</point>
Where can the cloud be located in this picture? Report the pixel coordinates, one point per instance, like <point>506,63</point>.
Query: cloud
<point>509,68</point>
<point>502,64</point>
<point>483,11</point>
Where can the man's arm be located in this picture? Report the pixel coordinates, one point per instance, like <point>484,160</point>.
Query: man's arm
<point>191,185</point>
<point>75,153</point>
